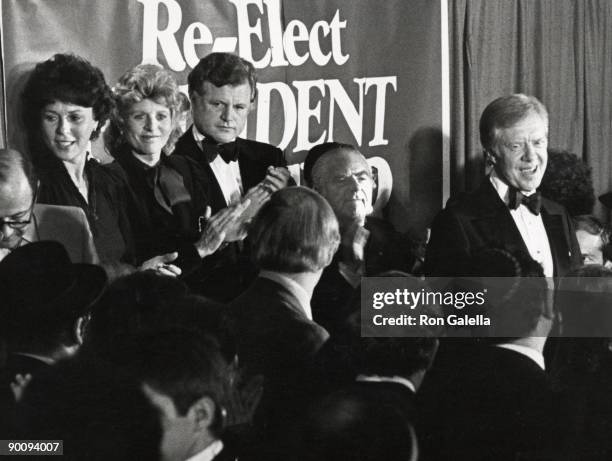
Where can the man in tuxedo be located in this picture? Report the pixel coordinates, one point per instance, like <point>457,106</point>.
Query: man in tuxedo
<point>494,400</point>
<point>369,246</point>
<point>222,90</point>
<point>506,211</point>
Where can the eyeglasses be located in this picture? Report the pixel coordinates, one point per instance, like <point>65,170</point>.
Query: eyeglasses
<point>19,224</point>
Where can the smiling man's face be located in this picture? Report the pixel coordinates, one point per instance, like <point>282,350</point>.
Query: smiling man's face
<point>520,152</point>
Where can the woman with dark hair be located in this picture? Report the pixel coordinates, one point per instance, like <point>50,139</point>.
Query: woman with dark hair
<point>66,104</point>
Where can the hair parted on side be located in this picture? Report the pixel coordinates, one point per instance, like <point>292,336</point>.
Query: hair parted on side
<point>506,111</point>
<point>144,81</point>
<point>295,231</point>
<point>222,69</point>
<point>69,79</point>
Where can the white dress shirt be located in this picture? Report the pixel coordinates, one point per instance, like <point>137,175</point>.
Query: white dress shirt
<point>534,355</point>
<point>226,174</point>
<point>530,226</point>
<point>209,453</point>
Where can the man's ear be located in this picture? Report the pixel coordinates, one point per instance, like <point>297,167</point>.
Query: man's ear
<point>80,325</point>
<point>203,412</point>
<point>490,157</point>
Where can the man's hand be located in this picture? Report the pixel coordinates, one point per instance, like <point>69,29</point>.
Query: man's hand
<point>276,179</point>
<point>161,265</point>
<point>225,226</point>
<point>19,384</point>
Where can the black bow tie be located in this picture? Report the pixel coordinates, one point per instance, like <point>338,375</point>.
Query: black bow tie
<point>533,201</point>
<point>227,151</point>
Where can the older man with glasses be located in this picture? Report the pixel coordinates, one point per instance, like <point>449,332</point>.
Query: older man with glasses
<point>22,220</point>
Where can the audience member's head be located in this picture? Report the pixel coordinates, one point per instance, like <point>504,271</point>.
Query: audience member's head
<point>18,184</point>
<point>147,101</point>
<point>514,136</point>
<point>409,356</point>
<point>567,180</point>
<point>341,174</point>
<point>46,299</point>
<point>222,89</point>
<point>132,304</point>
<point>350,424</point>
<point>295,231</point>
<point>65,94</point>
<point>98,412</point>
<point>183,117</point>
<point>592,237</point>
<point>517,296</point>
<point>185,377</point>
<point>584,298</point>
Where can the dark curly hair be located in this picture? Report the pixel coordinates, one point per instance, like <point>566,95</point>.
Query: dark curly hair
<point>70,79</point>
<point>567,180</point>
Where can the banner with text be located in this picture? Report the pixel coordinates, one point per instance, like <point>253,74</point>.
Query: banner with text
<point>359,71</point>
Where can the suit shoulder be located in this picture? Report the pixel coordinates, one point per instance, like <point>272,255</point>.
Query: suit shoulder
<point>72,211</point>
<point>262,150</point>
<point>553,207</point>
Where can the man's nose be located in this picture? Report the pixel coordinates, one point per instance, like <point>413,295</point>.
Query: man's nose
<point>353,184</point>
<point>530,153</point>
<point>226,114</point>
<point>6,231</point>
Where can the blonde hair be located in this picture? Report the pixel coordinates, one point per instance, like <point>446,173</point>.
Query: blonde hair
<point>145,81</point>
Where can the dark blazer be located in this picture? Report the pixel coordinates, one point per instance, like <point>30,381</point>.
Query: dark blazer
<point>480,220</point>
<point>254,158</point>
<point>273,333</point>
<point>490,403</point>
<point>275,339</point>
<point>386,249</point>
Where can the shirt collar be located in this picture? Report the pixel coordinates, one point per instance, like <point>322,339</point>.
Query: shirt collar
<point>199,137</point>
<point>209,453</point>
<point>387,379</point>
<point>47,360</point>
<point>534,355</point>
<point>503,189</point>
<point>294,288</point>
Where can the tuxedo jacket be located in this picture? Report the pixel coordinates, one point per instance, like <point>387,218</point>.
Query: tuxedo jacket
<point>490,403</point>
<point>254,158</point>
<point>334,298</point>
<point>273,333</point>
<point>480,219</point>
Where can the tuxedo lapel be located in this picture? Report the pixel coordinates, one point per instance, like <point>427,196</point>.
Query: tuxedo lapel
<point>493,221</point>
<point>252,169</point>
<point>553,222</point>
<point>188,146</point>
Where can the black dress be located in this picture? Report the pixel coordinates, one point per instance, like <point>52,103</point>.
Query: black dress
<point>106,208</point>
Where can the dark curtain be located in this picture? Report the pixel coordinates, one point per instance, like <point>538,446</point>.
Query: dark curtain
<point>558,50</point>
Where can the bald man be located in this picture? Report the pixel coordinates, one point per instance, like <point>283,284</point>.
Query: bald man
<point>23,221</point>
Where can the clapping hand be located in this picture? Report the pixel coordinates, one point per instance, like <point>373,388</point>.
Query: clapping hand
<point>162,265</point>
<point>225,226</point>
